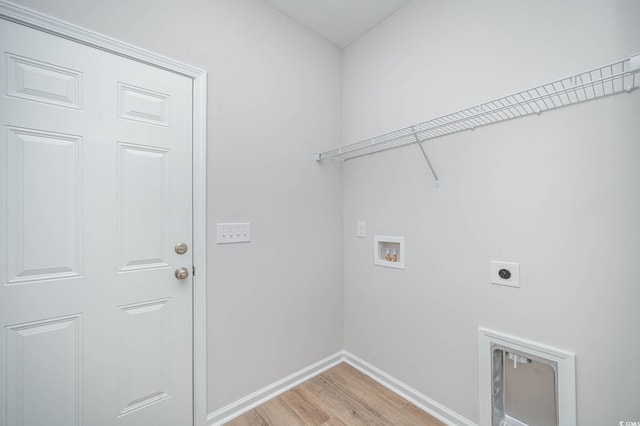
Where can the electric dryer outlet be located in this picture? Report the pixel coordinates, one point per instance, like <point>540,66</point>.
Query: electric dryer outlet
<point>505,273</point>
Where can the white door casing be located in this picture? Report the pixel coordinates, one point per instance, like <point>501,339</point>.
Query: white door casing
<point>95,192</point>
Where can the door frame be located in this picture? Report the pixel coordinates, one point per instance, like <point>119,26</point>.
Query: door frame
<point>34,19</point>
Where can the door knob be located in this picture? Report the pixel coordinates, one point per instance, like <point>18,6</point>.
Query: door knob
<point>182,273</point>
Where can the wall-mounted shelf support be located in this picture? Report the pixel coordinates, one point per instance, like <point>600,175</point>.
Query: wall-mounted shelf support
<point>426,157</point>
<point>617,77</point>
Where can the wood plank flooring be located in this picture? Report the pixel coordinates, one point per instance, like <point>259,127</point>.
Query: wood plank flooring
<point>341,396</point>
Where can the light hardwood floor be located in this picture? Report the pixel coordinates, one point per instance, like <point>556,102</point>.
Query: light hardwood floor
<point>341,395</point>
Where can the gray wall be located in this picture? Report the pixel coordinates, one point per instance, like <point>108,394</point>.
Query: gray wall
<point>274,305</point>
<point>559,193</point>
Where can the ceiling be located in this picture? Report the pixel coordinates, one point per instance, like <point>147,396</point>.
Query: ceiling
<point>339,21</point>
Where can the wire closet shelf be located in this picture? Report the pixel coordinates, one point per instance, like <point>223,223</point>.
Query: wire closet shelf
<point>617,77</point>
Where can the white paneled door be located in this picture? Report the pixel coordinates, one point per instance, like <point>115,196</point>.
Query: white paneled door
<point>95,193</point>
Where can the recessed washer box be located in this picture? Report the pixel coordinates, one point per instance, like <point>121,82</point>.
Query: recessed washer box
<point>389,251</point>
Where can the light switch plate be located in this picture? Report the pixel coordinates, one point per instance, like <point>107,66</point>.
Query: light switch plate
<point>229,233</point>
<point>514,271</point>
<point>362,229</point>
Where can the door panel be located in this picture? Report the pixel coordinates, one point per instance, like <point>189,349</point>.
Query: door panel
<point>43,170</point>
<point>96,329</point>
<point>43,370</point>
<point>143,354</point>
<point>38,81</point>
<point>147,106</point>
<point>144,208</point>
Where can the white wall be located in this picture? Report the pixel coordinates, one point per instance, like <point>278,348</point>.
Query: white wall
<point>559,193</point>
<point>274,305</point>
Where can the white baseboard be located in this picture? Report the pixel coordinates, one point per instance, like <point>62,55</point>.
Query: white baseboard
<point>422,401</point>
<point>241,406</point>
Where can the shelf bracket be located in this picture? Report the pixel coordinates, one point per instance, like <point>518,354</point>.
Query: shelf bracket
<point>426,157</point>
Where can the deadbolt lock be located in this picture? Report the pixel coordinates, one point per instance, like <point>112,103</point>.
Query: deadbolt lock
<point>181,248</point>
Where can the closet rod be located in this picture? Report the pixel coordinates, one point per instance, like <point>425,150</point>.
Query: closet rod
<point>617,77</point>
